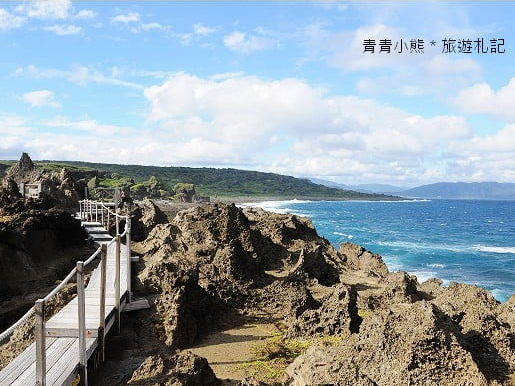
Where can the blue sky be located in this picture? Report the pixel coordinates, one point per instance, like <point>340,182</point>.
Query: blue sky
<point>271,86</point>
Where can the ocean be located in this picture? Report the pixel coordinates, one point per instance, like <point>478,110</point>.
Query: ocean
<point>470,241</point>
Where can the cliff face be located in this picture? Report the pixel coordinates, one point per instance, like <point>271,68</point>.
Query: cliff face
<point>36,248</point>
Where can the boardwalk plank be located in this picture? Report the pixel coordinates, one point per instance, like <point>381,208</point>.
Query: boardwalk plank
<point>62,353</point>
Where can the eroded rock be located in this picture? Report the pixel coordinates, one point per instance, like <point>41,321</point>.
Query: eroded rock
<point>359,258</point>
<point>183,369</point>
<point>410,344</point>
<point>337,314</point>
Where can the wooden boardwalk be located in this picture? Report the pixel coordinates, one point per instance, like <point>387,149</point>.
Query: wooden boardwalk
<point>64,355</point>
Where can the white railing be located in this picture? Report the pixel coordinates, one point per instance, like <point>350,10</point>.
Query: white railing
<point>95,211</point>
<point>88,211</point>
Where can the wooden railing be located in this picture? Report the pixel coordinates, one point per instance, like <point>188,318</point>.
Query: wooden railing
<point>104,194</point>
<point>89,210</point>
<point>95,211</point>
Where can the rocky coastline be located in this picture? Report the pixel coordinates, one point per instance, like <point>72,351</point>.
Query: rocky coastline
<point>242,296</point>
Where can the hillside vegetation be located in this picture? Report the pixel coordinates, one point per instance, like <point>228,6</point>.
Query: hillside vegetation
<point>213,182</point>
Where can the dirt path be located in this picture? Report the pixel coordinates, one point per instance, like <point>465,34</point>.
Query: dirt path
<point>227,350</point>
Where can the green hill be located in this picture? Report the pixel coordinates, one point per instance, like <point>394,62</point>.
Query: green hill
<point>219,182</point>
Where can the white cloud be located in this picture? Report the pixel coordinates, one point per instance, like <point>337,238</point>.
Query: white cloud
<point>482,99</point>
<point>90,126</point>
<point>284,125</point>
<point>227,75</point>
<point>440,75</point>
<point>12,125</point>
<point>484,158</point>
<point>245,44</point>
<point>41,98</point>
<point>78,74</point>
<point>200,29</point>
<point>84,14</point>
<point>55,9</point>
<point>132,17</point>
<point>144,27</point>
<point>406,74</point>
<point>133,21</point>
<point>184,38</point>
<point>64,29</point>
<point>289,126</point>
<point>9,21</point>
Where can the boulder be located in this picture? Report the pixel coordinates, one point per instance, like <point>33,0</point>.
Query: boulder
<point>358,258</point>
<point>186,312</point>
<point>185,192</point>
<point>144,218</point>
<point>183,369</point>
<point>337,314</point>
<point>398,287</point>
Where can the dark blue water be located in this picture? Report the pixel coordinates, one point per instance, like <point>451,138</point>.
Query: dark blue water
<point>471,241</point>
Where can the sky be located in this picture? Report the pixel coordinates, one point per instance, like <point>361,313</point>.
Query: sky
<point>285,87</point>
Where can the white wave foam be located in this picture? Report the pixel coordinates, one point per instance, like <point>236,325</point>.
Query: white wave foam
<point>500,295</point>
<point>421,246</point>
<point>486,248</point>
<point>423,276</point>
<point>276,206</point>
<point>436,265</point>
<point>344,235</point>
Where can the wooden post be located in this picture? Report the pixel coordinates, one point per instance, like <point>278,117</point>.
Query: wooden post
<point>128,242</point>
<point>116,199</point>
<point>40,343</point>
<point>101,329</point>
<point>102,214</point>
<point>83,361</point>
<point>96,211</point>
<point>117,285</point>
<point>108,221</point>
<point>117,218</point>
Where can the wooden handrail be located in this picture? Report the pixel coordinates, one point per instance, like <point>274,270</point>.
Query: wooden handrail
<point>40,343</point>
<point>83,364</point>
<point>117,285</point>
<point>87,211</point>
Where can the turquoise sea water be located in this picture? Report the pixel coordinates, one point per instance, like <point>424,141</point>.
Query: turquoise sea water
<point>471,241</point>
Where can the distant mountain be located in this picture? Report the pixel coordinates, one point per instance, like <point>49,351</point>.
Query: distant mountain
<point>463,190</point>
<point>377,188</point>
<point>330,184</point>
<point>363,188</point>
